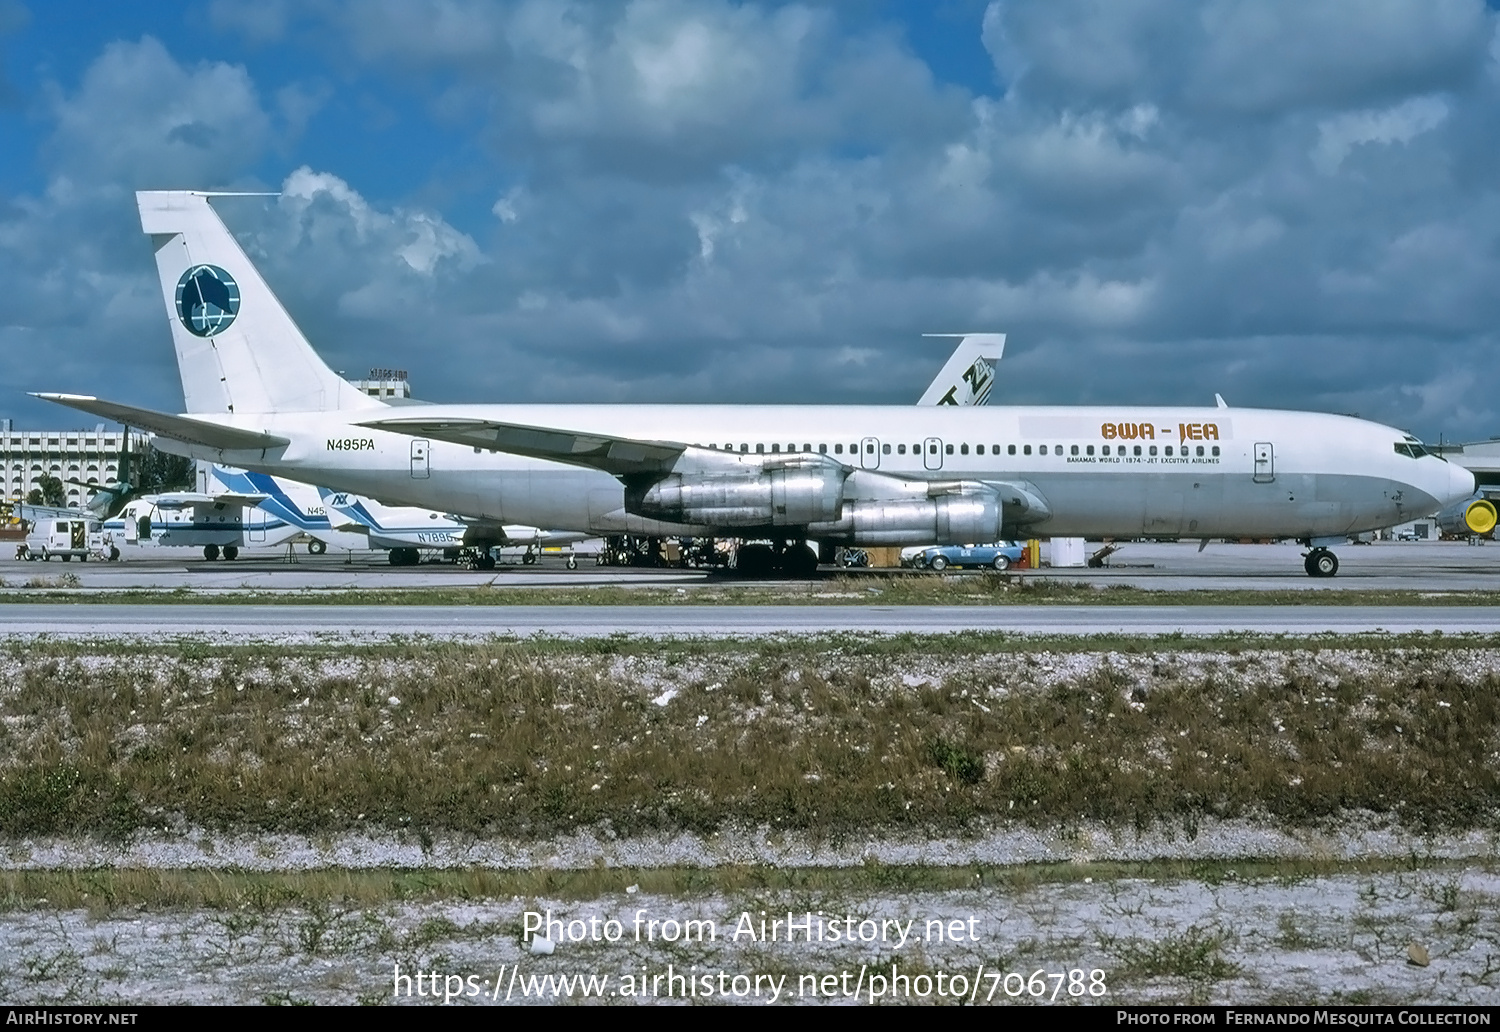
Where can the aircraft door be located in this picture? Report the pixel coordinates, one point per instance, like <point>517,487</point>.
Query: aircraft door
<point>932,453</point>
<point>1265,463</point>
<point>420,467</point>
<point>869,453</point>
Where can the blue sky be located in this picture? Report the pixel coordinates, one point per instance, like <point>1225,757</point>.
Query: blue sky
<point>1291,203</point>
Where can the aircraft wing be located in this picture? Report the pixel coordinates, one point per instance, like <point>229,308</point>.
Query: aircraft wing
<point>179,428</point>
<point>619,456</point>
<point>181,500</point>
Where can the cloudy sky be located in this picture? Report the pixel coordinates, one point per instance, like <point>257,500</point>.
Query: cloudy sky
<point>1291,202</point>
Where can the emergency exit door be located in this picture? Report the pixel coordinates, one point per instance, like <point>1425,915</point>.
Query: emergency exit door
<point>1265,463</point>
<point>932,453</point>
<point>421,468</point>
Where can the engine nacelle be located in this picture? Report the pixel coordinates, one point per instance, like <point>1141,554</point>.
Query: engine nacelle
<point>970,513</point>
<point>1476,515</point>
<point>793,495</point>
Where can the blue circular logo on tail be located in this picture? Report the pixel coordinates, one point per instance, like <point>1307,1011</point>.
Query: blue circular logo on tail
<point>208,299</point>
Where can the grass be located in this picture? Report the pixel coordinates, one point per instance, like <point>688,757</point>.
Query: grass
<point>528,740</point>
<point>1195,954</point>
<point>242,895</point>
<point>882,588</point>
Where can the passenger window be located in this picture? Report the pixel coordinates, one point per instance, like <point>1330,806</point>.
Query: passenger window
<point>1216,451</point>
<point>885,449</point>
<point>1169,451</point>
<point>775,449</point>
<point>1074,450</point>
<point>1153,449</point>
<point>948,448</point>
<point>979,449</point>
<point>869,449</point>
<point>1104,450</point>
<point>822,449</point>
<point>1011,449</point>
<point>1027,449</point>
<point>744,447</point>
<point>900,449</point>
<point>838,449</point>
<point>1137,449</point>
<point>1090,449</point>
<point>1200,451</point>
<point>760,449</point>
<point>1042,450</point>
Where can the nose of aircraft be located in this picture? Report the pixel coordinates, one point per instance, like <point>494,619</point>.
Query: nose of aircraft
<point>1460,484</point>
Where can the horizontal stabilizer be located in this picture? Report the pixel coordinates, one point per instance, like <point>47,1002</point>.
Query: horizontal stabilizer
<point>619,456</point>
<point>179,428</point>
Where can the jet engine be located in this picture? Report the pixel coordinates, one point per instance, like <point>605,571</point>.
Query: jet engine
<point>793,493</point>
<point>959,513</point>
<point>1476,515</point>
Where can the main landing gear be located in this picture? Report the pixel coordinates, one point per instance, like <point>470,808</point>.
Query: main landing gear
<point>1320,562</point>
<point>784,558</point>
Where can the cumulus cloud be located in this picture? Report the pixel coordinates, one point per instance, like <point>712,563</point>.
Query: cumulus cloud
<point>1339,135</point>
<point>1223,57</point>
<point>140,117</point>
<point>1289,203</point>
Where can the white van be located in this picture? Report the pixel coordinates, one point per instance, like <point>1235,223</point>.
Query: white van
<point>66,538</point>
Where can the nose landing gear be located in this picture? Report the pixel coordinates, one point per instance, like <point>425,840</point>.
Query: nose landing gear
<point>1320,562</point>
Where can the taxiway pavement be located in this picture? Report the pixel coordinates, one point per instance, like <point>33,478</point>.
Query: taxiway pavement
<point>273,622</point>
<point>1176,566</point>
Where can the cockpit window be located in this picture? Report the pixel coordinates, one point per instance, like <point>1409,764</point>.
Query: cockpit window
<point>1412,449</point>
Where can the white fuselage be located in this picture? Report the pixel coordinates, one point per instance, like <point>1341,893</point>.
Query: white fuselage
<point>1122,471</point>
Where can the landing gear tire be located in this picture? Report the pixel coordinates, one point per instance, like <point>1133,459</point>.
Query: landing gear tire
<point>114,554</point>
<point>755,561</point>
<point>231,553</point>
<point>529,559</point>
<point>938,564</point>
<point>572,562</point>
<point>316,547</point>
<point>210,552</point>
<point>403,557</point>
<point>799,561</point>
<point>1001,564</point>
<point>486,560</point>
<point>1320,562</point>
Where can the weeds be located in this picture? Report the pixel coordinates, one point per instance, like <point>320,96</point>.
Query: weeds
<point>527,740</point>
<point>1196,954</point>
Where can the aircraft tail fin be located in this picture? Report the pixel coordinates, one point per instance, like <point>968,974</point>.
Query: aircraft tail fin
<point>349,506</point>
<point>277,502</point>
<point>237,348</point>
<point>969,373</point>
